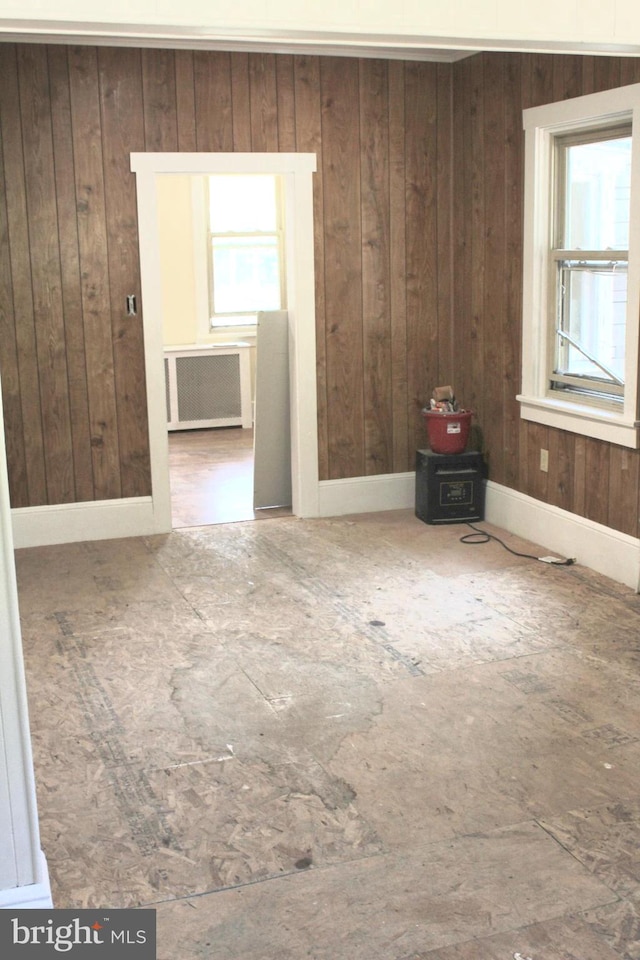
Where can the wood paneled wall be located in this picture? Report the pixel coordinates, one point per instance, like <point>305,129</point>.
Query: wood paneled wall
<point>72,361</point>
<point>587,477</point>
<point>418,246</point>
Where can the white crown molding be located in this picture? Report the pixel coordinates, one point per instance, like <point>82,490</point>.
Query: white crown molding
<point>397,46</point>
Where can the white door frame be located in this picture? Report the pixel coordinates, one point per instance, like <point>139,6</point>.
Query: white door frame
<point>296,170</point>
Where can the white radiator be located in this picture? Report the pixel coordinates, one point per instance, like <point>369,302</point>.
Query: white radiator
<point>208,386</point>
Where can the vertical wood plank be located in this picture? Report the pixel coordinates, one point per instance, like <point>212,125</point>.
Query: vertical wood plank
<point>213,98</point>
<point>403,453</point>
<point>623,490</point>
<point>597,485</point>
<point>561,469</point>
<point>343,266</point>
<point>93,244</point>
<point>578,502</point>
<point>473,398</point>
<point>46,281</point>
<point>629,70</point>
<point>241,102</point>
<point>374,177</point>
<point>421,242</point>
<point>185,101</point>
<point>70,272</point>
<point>264,104</point>
<point>572,77</point>
<point>606,73</point>
<point>537,479</point>
<point>286,105</point>
<point>309,140</point>
<point>158,91</point>
<point>462,239</point>
<point>20,260</point>
<point>513,230</point>
<point>123,132</point>
<point>16,462</point>
<point>493,303</point>
<point>447,348</point>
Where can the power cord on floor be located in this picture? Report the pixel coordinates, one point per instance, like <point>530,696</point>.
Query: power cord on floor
<point>481,536</point>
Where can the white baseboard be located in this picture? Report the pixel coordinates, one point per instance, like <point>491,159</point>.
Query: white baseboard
<point>593,545</point>
<point>33,896</point>
<point>73,522</point>
<point>389,491</point>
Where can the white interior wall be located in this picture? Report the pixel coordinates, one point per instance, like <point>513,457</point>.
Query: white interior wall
<point>175,236</point>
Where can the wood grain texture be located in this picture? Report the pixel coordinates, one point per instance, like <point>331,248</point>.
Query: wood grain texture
<point>185,101</point>
<point>374,177</point>
<point>475,396</point>
<point>343,267</point>
<point>158,93</point>
<point>309,140</point>
<point>241,103</point>
<point>263,102</point>
<point>46,283</point>
<point>286,106</point>
<point>402,445</point>
<point>511,333</point>
<point>70,272</point>
<point>421,243</point>
<point>94,270</point>
<point>18,250</point>
<point>214,102</point>
<point>123,130</point>
<point>490,395</point>
<point>15,451</point>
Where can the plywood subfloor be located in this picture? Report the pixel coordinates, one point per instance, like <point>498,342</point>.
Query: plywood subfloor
<point>349,739</point>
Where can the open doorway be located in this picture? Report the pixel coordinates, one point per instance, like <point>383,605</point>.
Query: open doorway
<point>296,171</point>
<point>222,248</point>
<point>211,475</point>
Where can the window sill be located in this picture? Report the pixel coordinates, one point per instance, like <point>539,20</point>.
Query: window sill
<point>584,419</point>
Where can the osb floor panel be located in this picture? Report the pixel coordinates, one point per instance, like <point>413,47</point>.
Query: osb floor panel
<point>348,739</point>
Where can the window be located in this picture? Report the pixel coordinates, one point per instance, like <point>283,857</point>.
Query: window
<point>581,273</point>
<point>245,248</point>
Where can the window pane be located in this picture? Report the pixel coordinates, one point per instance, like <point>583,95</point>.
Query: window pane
<point>239,204</point>
<point>596,199</point>
<point>246,274</point>
<point>593,313</point>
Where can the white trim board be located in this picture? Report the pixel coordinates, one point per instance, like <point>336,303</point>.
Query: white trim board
<point>32,896</point>
<point>613,554</point>
<point>389,491</point>
<point>296,170</point>
<point>75,522</point>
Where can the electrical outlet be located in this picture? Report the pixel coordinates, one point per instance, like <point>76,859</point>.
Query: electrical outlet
<point>544,461</point>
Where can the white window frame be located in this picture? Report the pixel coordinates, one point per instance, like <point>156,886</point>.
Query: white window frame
<point>612,422</point>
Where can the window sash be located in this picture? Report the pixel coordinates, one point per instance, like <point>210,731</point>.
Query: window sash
<point>245,315</point>
<point>594,374</point>
<point>567,342</point>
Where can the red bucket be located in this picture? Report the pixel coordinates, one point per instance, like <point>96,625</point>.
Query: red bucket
<point>447,432</point>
